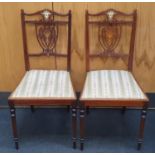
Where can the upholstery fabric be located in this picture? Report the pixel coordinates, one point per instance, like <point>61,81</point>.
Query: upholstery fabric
<point>111,84</point>
<point>45,84</point>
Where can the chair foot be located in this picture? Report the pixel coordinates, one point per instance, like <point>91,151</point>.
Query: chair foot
<point>81,146</point>
<point>74,145</point>
<point>139,145</point>
<point>68,108</point>
<point>16,145</point>
<point>32,109</point>
<point>87,110</point>
<point>123,110</point>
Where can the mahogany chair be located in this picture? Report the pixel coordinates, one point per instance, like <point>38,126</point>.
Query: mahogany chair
<point>111,88</point>
<point>45,87</point>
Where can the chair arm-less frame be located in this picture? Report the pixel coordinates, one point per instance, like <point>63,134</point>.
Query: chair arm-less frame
<point>111,88</point>
<point>45,87</point>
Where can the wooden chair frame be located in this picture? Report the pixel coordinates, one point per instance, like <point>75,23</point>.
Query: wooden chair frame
<point>46,20</point>
<point>84,104</point>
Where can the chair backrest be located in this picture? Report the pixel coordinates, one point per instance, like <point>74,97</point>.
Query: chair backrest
<point>46,25</point>
<point>109,26</point>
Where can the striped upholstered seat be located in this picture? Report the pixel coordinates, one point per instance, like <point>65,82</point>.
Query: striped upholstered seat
<point>111,84</point>
<point>45,84</point>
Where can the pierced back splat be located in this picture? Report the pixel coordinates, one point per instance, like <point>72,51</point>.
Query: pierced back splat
<point>47,34</point>
<point>109,34</point>
<point>46,29</point>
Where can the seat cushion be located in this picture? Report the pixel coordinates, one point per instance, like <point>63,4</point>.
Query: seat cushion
<point>45,84</point>
<point>111,84</point>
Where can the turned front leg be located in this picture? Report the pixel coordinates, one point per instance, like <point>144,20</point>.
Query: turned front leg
<point>82,126</point>
<point>74,124</point>
<point>142,125</point>
<point>14,127</point>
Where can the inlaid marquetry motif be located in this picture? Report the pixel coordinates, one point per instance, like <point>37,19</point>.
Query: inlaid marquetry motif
<point>46,15</point>
<point>109,36</point>
<point>110,15</point>
<point>47,33</point>
<point>111,25</point>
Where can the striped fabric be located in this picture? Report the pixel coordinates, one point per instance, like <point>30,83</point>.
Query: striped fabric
<point>111,84</point>
<point>45,84</point>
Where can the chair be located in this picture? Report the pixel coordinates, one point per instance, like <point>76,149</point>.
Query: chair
<point>41,87</point>
<point>111,88</point>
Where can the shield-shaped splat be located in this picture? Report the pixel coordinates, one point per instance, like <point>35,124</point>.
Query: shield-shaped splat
<point>47,37</point>
<point>109,36</point>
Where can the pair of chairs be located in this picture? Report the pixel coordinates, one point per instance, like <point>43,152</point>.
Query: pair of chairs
<point>109,88</point>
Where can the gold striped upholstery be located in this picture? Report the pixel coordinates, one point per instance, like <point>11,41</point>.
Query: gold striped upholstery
<point>111,84</point>
<point>45,84</point>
